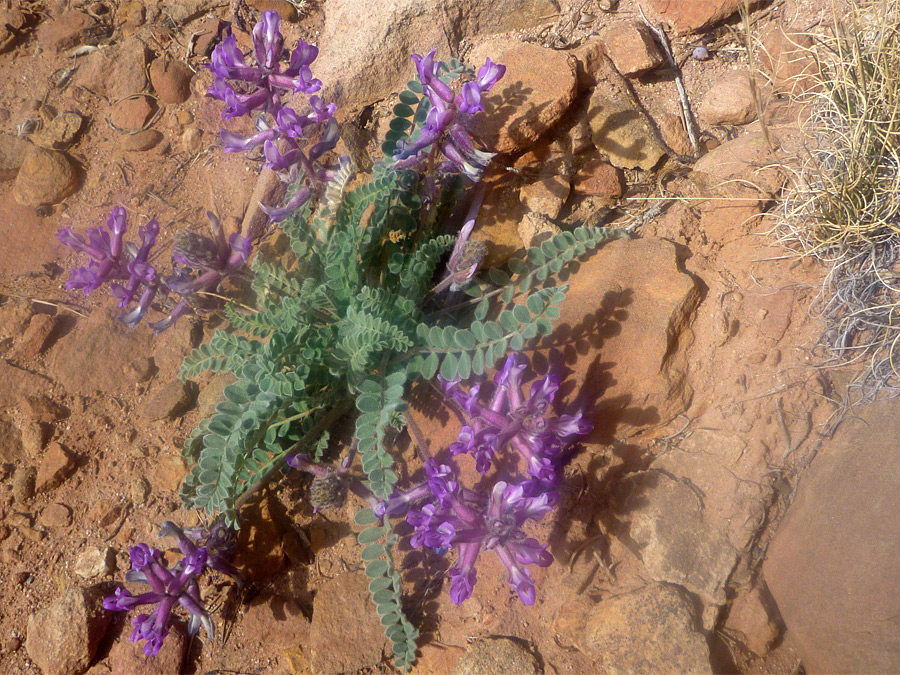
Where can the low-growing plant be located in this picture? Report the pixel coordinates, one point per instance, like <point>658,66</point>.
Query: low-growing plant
<point>363,307</point>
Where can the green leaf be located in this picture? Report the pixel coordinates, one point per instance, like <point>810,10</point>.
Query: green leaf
<point>508,320</point>
<point>507,295</point>
<point>536,256</point>
<point>400,124</point>
<point>464,367</point>
<point>517,266</point>
<point>414,86</point>
<point>474,291</point>
<point>465,339</point>
<point>498,277</point>
<point>493,330</point>
<point>481,309</point>
<point>478,362</point>
<point>379,583</point>
<point>448,367</point>
<point>367,403</point>
<point>370,535</point>
<point>521,313</point>
<point>535,304</point>
<point>403,110</point>
<point>429,368</point>
<point>409,98</point>
<point>373,551</point>
<point>516,342</point>
<point>383,596</point>
<point>545,326</point>
<point>377,568</point>
<point>552,313</point>
<point>365,517</point>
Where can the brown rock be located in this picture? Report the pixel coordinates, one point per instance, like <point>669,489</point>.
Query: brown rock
<point>128,658</point>
<point>60,133</point>
<point>95,562</point>
<point>623,134</point>
<point>674,134</point>
<point>538,87</point>
<point>650,630</point>
<point>142,140</point>
<point>36,337</point>
<point>13,151</point>
<point>128,60</point>
<point>730,100</point>
<point>132,15</point>
<point>45,177</point>
<point>278,622</point>
<point>90,357</point>
<point>546,196</point>
<point>191,139</point>
<point>787,56</point>
<point>40,408</point>
<point>171,79</point>
<point>23,483</point>
<point>285,10</point>
<point>170,402</point>
<point>497,655</point>
<point>64,31</point>
<point>11,448</point>
<point>63,637</point>
<point>666,526</point>
<point>17,384</point>
<point>646,307</point>
<point>689,17</point>
<point>535,228</point>
<point>56,515</point>
<point>749,618</point>
<point>207,32</point>
<point>631,47</point>
<point>832,567</point>
<point>343,606</point>
<point>141,369</point>
<point>131,114</point>
<point>56,465</point>
<point>34,436</point>
<point>600,179</point>
<point>367,52</point>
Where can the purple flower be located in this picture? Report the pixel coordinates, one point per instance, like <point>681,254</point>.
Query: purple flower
<point>246,89</point>
<point>175,586</point>
<point>446,120</point>
<point>523,424</point>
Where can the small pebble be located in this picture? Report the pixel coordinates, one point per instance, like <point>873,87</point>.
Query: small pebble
<point>700,53</point>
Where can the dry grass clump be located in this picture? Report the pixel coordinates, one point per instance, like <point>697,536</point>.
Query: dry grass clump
<point>844,203</point>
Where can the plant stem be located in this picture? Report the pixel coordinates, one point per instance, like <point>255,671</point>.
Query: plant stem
<point>332,416</point>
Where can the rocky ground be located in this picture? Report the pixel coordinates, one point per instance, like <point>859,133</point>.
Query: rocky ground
<point>691,346</point>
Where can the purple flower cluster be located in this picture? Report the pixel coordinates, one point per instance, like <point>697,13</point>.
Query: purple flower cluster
<point>445,125</point>
<point>447,514</point>
<point>248,89</point>
<point>126,265</point>
<point>510,419</point>
<point>171,586</point>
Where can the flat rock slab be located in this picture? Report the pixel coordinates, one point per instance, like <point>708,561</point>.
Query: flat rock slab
<point>622,328</point>
<point>537,89</point>
<point>364,55</point>
<point>834,564</point>
<point>93,356</point>
<point>650,630</point>
<point>63,637</point>
<point>618,129</point>
<point>663,523</point>
<point>688,16</point>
